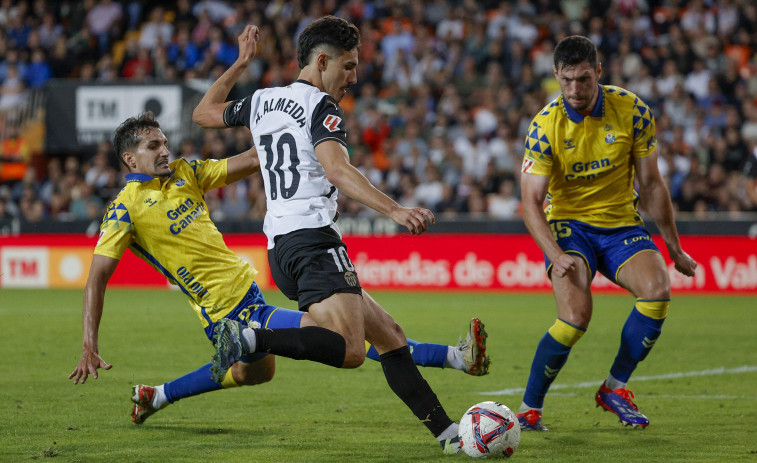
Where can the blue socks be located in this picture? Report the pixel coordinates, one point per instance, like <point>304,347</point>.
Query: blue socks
<point>424,353</point>
<point>551,354</point>
<point>194,383</point>
<point>636,340</point>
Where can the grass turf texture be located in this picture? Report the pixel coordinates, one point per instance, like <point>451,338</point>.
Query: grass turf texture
<point>313,413</point>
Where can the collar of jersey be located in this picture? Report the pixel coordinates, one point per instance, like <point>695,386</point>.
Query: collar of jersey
<point>598,111</point>
<point>303,81</point>
<point>136,177</point>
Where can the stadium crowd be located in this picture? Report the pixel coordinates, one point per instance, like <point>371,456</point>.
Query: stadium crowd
<point>445,92</point>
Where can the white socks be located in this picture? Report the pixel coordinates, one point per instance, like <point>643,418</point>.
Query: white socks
<point>455,358</point>
<point>249,340</point>
<point>524,408</point>
<point>159,400</point>
<point>448,433</point>
<point>612,383</point>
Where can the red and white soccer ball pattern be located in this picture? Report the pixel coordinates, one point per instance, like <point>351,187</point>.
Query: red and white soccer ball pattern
<point>489,429</point>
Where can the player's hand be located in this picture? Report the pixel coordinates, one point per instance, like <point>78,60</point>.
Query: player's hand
<point>248,43</point>
<point>415,219</point>
<point>88,364</point>
<point>684,263</point>
<point>562,265</point>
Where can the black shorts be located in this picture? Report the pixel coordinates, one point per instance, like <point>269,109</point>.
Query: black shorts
<point>311,264</point>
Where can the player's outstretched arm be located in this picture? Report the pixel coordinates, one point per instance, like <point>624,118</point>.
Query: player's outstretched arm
<point>100,272</point>
<point>656,200</point>
<point>533,192</point>
<point>241,165</point>
<point>209,112</point>
<point>335,161</point>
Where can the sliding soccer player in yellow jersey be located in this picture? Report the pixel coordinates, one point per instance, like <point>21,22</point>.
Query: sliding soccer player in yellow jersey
<point>583,151</point>
<point>162,217</point>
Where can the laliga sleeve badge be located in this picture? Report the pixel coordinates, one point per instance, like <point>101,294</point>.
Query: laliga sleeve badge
<point>332,122</point>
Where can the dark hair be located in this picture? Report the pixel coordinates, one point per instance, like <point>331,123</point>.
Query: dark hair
<point>334,32</point>
<point>129,133</point>
<point>575,50</point>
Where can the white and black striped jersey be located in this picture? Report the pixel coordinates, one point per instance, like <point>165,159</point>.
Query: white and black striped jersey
<point>287,123</point>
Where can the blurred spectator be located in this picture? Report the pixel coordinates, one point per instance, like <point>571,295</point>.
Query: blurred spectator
<point>60,59</point>
<point>750,174</point>
<point>38,71</point>
<point>156,31</point>
<point>15,146</point>
<point>12,89</point>
<point>182,51</point>
<point>85,205</point>
<point>216,10</point>
<point>49,31</point>
<point>103,21</point>
<point>504,204</point>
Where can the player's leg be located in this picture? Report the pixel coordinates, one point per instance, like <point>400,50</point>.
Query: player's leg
<point>403,376</point>
<point>468,356</point>
<point>150,399</point>
<point>574,309</point>
<point>645,276</point>
<point>344,314</point>
<point>232,340</point>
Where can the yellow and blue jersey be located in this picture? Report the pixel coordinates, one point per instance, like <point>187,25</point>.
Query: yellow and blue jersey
<point>166,223</point>
<point>590,160</point>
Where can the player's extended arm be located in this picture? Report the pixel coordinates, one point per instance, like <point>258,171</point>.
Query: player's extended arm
<point>533,192</point>
<point>656,200</point>
<point>336,162</point>
<point>242,165</point>
<point>209,112</point>
<point>100,272</point>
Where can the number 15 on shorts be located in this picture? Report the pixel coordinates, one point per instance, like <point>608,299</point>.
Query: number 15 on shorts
<point>560,229</point>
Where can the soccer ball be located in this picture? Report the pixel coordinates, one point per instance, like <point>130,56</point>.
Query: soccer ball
<point>489,429</point>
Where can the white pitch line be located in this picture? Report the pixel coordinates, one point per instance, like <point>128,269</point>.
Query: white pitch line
<point>683,374</point>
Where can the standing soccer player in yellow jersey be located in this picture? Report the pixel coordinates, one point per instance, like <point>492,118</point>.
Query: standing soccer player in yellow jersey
<point>583,151</point>
<point>162,217</point>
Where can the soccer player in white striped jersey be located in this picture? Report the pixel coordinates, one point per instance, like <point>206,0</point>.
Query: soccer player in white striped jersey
<point>299,133</point>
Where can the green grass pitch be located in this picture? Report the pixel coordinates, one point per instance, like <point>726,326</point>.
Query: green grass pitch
<point>698,386</point>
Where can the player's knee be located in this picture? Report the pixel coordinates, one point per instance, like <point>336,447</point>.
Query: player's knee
<point>354,355</point>
<point>578,317</point>
<point>655,286</point>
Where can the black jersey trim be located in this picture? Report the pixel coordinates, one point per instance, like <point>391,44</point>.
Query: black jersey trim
<point>344,143</point>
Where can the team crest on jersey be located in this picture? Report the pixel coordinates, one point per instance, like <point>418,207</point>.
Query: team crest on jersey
<point>607,127</point>
<point>527,165</point>
<point>332,122</point>
<point>350,278</point>
<point>180,182</point>
<point>610,138</point>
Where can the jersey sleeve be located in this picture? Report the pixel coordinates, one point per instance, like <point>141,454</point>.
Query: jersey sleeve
<point>237,114</point>
<point>537,159</point>
<point>644,138</point>
<point>328,122</point>
<point>116,231</point>
<point>210,173</point>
